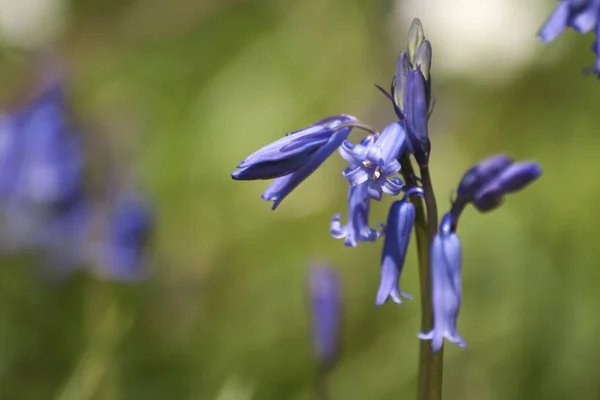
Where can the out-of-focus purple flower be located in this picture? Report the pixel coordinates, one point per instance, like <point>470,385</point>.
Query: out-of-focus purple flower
<point>512,179</point>
<point>9,157</point>
<point>124,250</point>
<point>357,229</point>
<point>400,222</point>
<point>446,260</point>
<point>325,296</point>
<point>375,160</point>
<point>50,156</point>
<point>581,15</point>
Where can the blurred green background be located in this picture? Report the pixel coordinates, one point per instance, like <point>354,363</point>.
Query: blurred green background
<point>184,90</point>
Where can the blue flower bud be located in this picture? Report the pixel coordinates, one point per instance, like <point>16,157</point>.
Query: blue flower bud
<point>325,295</point>
<point>423,58</point>
<point>291,152</point>
<point>416,35</point>
<point>357,229</point>
<point>481,174</point>
<point>401,219</point>
<point>399,83</point>
<point>446,260</point>
<point>512,179</point>
<point>283,186</point>
<point>416,111</point>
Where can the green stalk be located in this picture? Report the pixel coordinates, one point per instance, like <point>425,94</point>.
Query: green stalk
<point>426,225</point>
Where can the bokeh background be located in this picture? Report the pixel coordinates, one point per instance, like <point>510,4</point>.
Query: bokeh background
<point>183,90</point>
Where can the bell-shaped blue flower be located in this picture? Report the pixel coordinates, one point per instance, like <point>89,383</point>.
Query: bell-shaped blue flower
<point>400,222</point>
<point>51,156</point>
<point>512,179</point>
<point>481,174</point>
<point>357,229</point>
<point>375,160</point>
<point>326,310</point>
<point>416,114</point>
<point>581,15</point>
<point>124,249</point>
<point>293,151</point>
<point>10,147</point>
<point>446,260</point>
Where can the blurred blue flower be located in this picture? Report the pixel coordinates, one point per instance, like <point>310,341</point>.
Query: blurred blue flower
<point>375,161</point>
<point>124,249</point>
<point>357,229</point>
<point>9,157</point>
<point>400,222</point>
<point>446,260</point>
<point>325,296</point>
<point>581,15</point>
<point>481,174</point>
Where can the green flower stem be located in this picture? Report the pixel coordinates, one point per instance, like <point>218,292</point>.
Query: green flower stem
<point>426,222</point>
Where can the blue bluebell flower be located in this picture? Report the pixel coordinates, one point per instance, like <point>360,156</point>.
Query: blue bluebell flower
<point>51,160</point>
<point>400,222</point>
<point>446,260</point>
<point>581,15</point>
<point>10,147</point>
<point>325,295</point>
<point>481,174</point>
<point>416,114</point>
<point>295,157</point>
<point>357,229</point>
<point>125,248</point>
<point>512,179</point>
<point>291,152</point>
<point>375,161</point>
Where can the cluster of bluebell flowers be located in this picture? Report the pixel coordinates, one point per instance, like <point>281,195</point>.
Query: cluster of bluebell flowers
<point>581,15</point>
<point>43,202</point>
<point>374,168</point>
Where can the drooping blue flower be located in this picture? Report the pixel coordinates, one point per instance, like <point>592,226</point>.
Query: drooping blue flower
<point>446,260</point>
<point>295,157</point>
<point>326,310</point>
<point>581,15</point>
<point>481,174</point>
<point>51,160</point>
<point>375,161</point>
<point>125,248</point>
<point>357,229</point>
<point>10,147</point>
<point>291,152</point>
<point>400,222</point>
<point>512,179</point>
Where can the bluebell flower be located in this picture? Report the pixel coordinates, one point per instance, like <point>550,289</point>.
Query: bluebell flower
<point>416,114</point>
<point>400,222</point>
<point>446,260</point>
<point>51,160</point>
<point>325,296</point>
<point>125,248</point>
<point>481,174</point>
<point>294,157</point>
<point>357,229</point>
<point>512,179</point>
<point>375,160</point>
<point>10,147</point>
<point>581,15</point>
<point>291,152</point>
